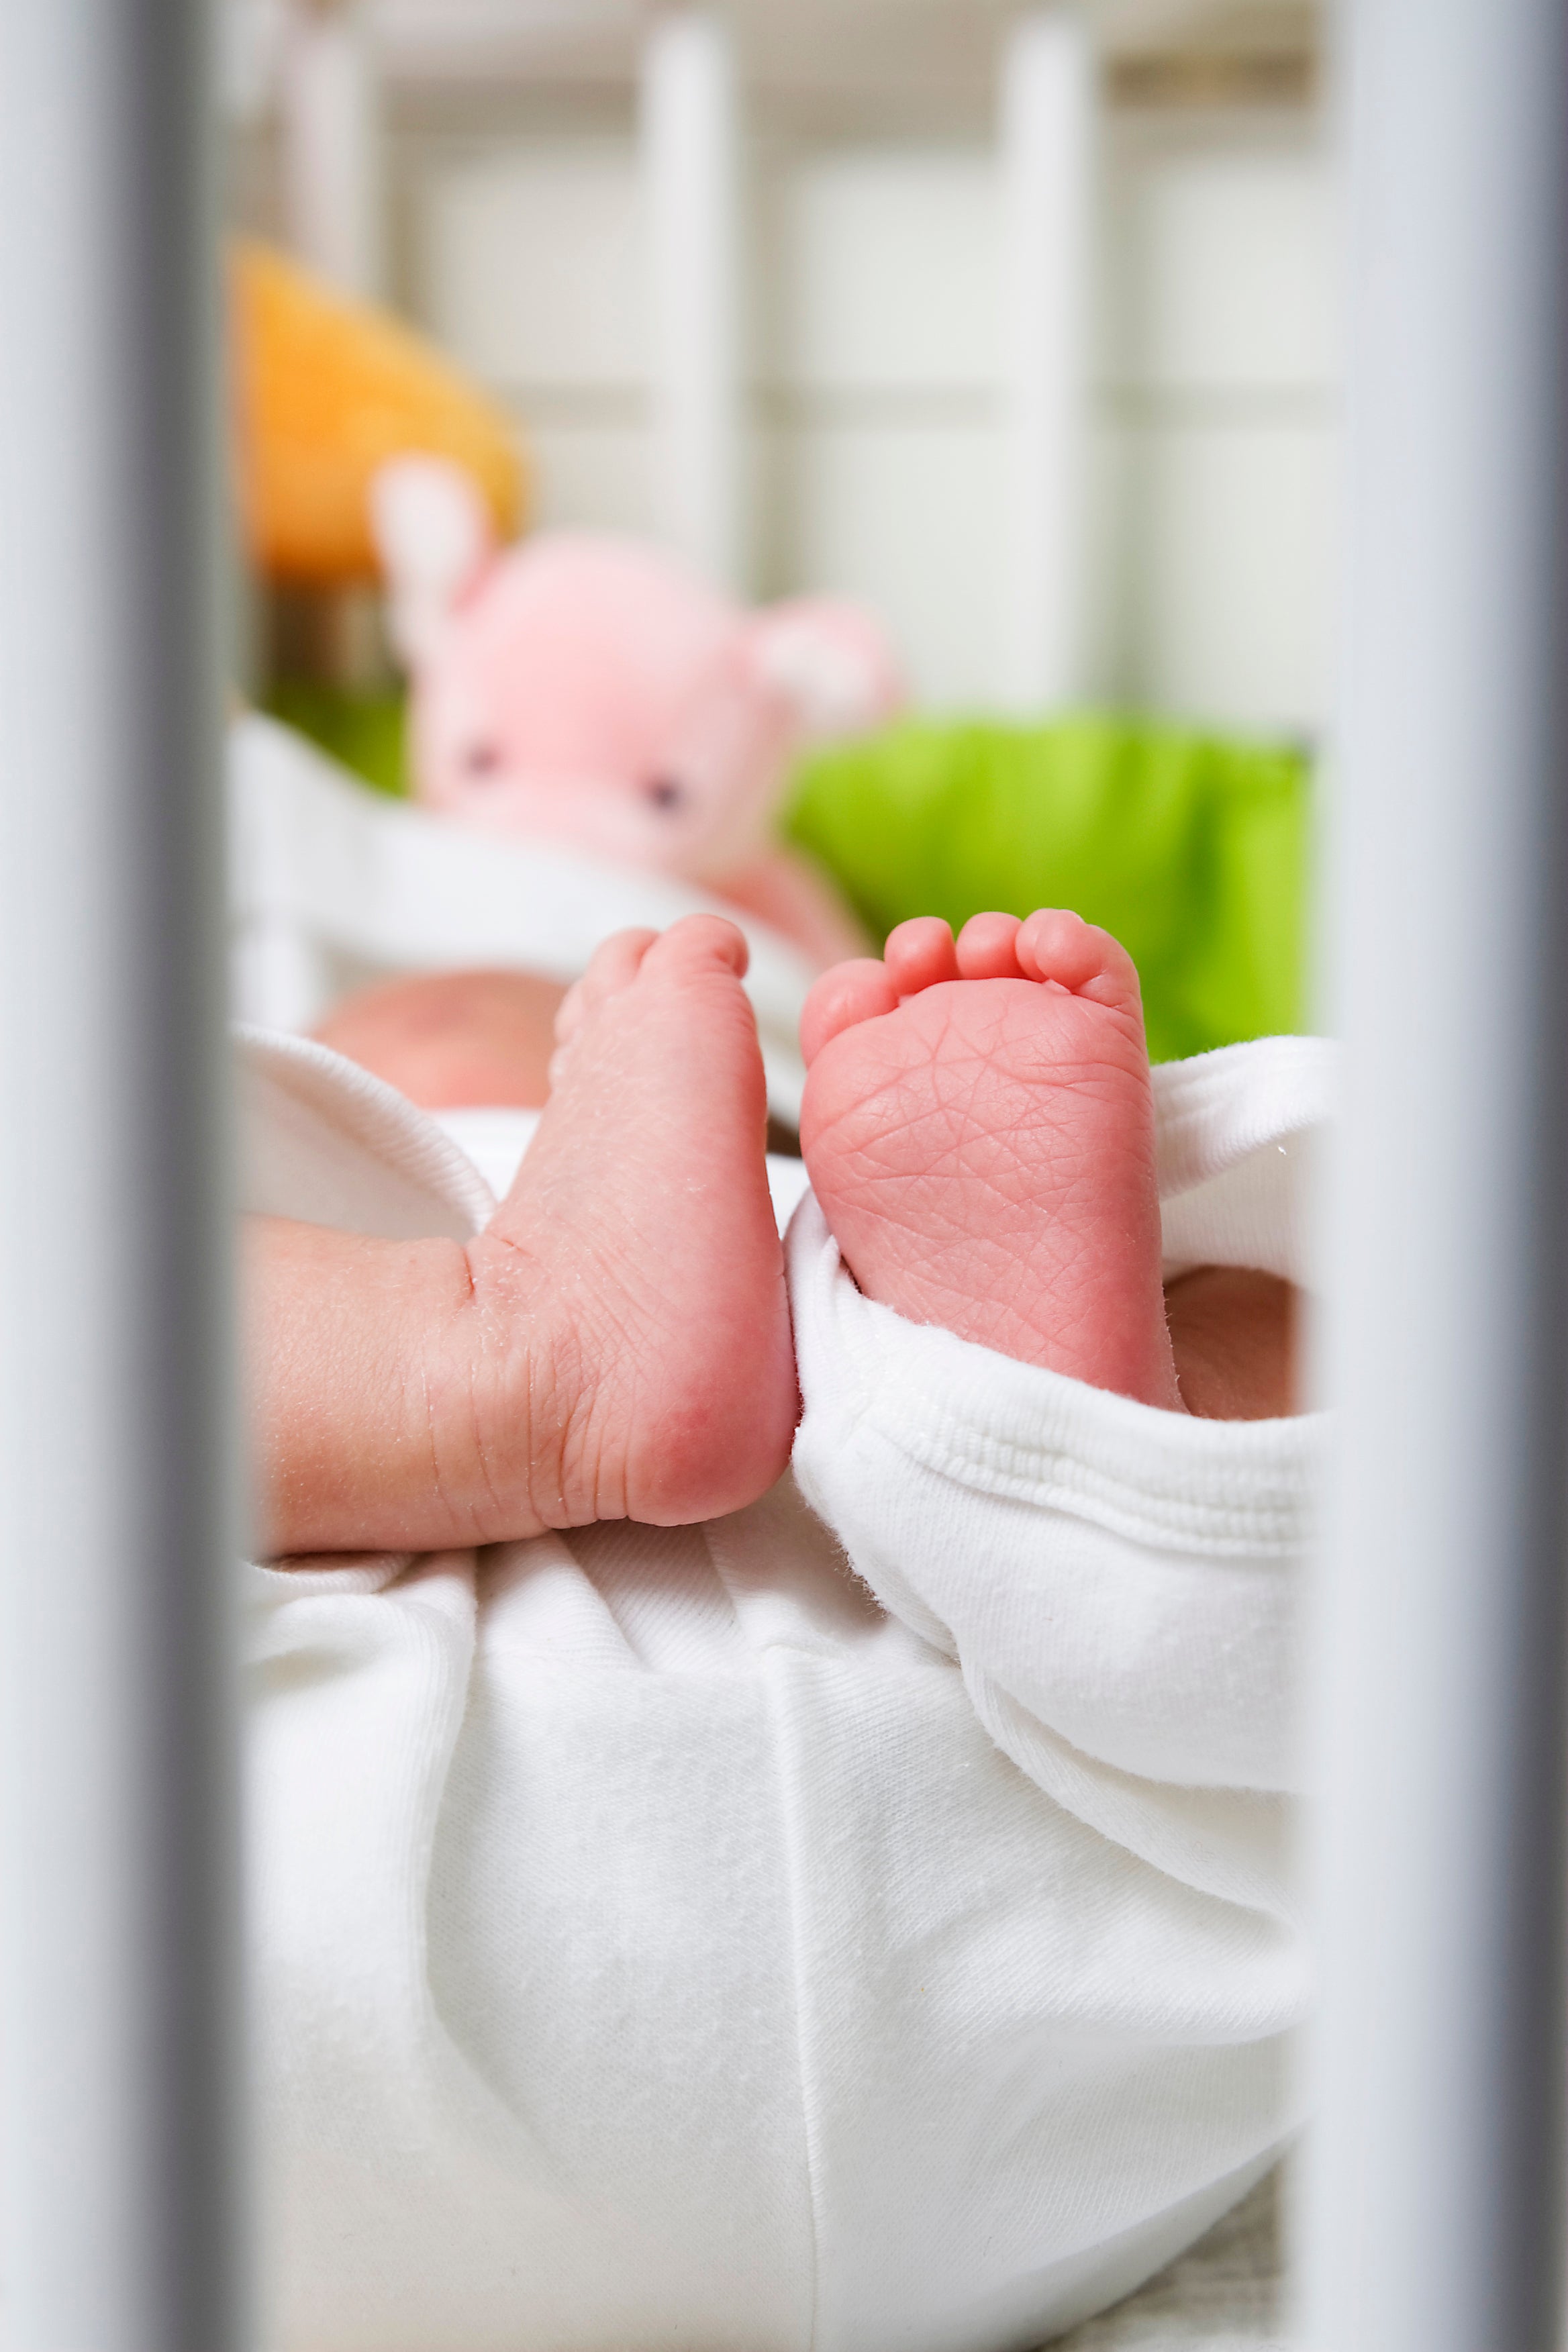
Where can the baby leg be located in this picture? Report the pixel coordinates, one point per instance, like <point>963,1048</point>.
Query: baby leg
<point>979,1128</point>
<point>1234,1333</point>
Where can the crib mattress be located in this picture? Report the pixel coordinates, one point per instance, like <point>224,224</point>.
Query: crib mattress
<point>1226,2294</point>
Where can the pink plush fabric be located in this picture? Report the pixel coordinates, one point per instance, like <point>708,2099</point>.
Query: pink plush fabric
<point>592,692</point>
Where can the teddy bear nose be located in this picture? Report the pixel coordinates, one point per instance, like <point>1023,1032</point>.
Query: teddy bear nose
<point>482,758</point>
<point>664,792</point>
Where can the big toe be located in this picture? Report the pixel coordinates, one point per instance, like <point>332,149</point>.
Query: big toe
<point>697,943</point>
<point>1057,945</point>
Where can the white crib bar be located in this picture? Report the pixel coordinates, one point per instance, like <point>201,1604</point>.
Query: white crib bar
<point>1436,2184</point>
<point>693,197</point>
<point>1048,167</point>
<point>329,121</point>
<point>119,2195</point>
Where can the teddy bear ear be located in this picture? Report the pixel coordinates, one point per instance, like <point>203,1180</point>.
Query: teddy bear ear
<point>833,662</point>
<point>432,531</point>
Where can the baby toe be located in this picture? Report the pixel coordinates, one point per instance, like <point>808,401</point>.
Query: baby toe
<point>1053,944</point>
<point>616,962</point>
<point>919,953</point>
<point>986,950</point>
<point>851,993</point>
<point>697,942</point>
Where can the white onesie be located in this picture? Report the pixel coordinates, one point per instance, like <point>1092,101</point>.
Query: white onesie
<point>861,1922</point>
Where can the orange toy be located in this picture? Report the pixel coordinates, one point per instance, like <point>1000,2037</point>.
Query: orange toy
<point>328,390</point>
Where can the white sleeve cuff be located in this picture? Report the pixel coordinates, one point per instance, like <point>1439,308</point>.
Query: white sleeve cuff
<point>1131,1578</point>
<point>1122,1580</point>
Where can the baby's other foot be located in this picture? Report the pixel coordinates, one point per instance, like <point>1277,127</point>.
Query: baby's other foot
<point>640,1364</point>
<point>979,1130</point>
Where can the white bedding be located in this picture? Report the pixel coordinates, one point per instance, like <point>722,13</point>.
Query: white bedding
<point>664,1937</point>
<point>1226,2294</point>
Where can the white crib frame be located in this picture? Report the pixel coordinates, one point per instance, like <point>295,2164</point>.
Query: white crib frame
<point>1433,2221</point>
<point>693,150</point>
<point>692,146</point>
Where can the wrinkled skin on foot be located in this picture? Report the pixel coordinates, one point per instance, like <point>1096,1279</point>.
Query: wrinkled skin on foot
<point>979,1128</point>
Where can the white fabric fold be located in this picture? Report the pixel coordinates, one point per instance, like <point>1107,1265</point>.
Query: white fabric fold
<point>1131,1578</point>
<point>323,1140</point>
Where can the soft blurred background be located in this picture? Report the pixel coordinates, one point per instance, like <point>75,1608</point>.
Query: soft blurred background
<point>1097,526</point>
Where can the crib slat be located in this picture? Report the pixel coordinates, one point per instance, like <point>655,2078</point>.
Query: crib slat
<point>1049,108</point>
<point>692,193</point>
<point>333,166</point>
<point>1436,2183</point>
<point>119,2020</point>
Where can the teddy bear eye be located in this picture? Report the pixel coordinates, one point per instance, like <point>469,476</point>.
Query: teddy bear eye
<point>664,792</point>
<point>481,758</point>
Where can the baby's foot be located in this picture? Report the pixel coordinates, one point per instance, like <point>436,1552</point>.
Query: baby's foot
<point>637,1361</point>
<point>979,1130</point>
<point>614,1345</point>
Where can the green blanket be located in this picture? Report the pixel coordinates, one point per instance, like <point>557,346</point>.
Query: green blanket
<point>364,732</point>
<point>1191,848</point>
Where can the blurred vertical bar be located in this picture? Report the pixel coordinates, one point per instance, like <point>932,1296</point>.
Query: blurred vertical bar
<point>120,2226</point>
<point>692,191</point>
<point>329,120</point>
<point>1047,157</point>
<point>1434,2192</point>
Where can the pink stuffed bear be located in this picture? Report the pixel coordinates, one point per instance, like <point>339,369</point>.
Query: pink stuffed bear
<point>591,691</point>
